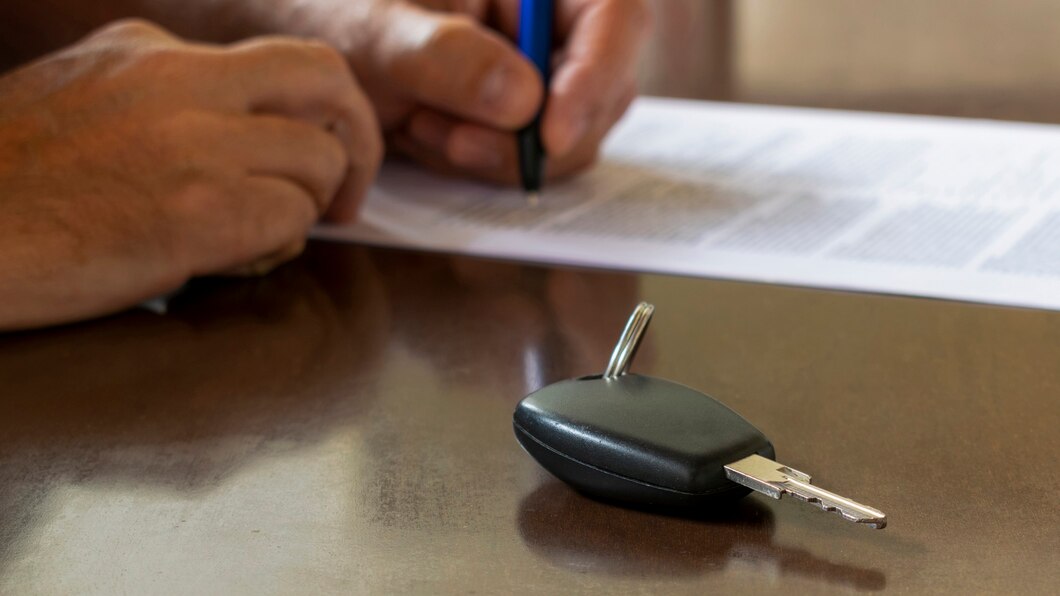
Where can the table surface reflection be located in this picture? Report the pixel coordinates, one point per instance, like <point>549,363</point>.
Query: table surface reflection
<point>344,425</point>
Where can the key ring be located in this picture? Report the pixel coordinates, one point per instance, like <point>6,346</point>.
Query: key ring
<point>628,343</point>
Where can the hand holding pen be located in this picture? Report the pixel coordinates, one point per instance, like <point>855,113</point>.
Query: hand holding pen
<point>473,89</point>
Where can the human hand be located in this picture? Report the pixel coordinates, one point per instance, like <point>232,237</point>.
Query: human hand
<point>450,88</point>
<point>133,161</point>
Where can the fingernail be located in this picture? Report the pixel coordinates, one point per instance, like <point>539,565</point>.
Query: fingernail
<point>494,88</point>
<point>469,151</point>
<point>577,126</point>
<point>429,130</point>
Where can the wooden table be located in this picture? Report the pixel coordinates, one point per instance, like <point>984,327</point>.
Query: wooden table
<point>343,425</point>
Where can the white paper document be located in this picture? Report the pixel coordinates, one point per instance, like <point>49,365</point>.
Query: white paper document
<point>938,207</point>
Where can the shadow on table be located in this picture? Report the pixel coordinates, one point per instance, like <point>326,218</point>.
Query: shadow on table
<point>584,535</point>
<point>233,371</point>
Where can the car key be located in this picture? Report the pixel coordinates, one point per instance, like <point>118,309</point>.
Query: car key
<point>646,441</point>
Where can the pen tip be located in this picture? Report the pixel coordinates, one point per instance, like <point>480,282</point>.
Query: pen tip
<point>533,198</point>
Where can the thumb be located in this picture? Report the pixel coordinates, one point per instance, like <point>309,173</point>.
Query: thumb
<point>456,64</point>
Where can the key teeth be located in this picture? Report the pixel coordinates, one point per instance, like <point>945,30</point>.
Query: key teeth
<point>876,523</point>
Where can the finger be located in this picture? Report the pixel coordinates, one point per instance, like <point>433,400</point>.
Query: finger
<point>464,144</point>
<point>365,157</point>
<point>438,162</point>
<point>462,151</point>
<point>490,154</point>
<point>264,265</point>
<point>507,175</point>
<point>602,40</point>
<point>256,217</point>
<point>457,65</point>
<point>266,145</point>
<point>285,72</point>
<point>587,149</point>
<point>599,123</point>
<point>312,81</point>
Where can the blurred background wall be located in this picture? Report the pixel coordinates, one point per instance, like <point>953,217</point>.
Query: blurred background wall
<point>989,58</point>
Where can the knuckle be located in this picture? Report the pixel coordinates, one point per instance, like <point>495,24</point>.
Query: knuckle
<point>197,195</point>
<point>190,207</point>
<point>175,135</point>
<point>325,54</point>
<point>293,216</point>
<point>132,27</point>
<point>315,58</point>
<point>274,48</point>
<point>161,59</point>
<point>301,51</point>
<point>450,33</point>
<point>287,222</point>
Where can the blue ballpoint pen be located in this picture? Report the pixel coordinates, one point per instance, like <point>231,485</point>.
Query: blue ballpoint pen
<point>535,41</point>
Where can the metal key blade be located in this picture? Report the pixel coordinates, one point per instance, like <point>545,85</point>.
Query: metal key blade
<point>770,478</point>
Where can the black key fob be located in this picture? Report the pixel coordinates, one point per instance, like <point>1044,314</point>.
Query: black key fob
<point>637,439</point>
